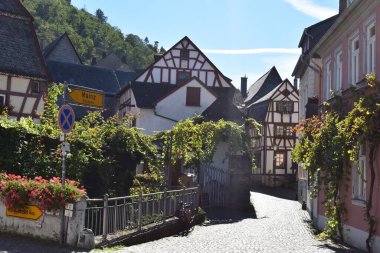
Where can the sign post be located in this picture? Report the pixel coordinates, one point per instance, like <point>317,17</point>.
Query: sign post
<point>66,119</point>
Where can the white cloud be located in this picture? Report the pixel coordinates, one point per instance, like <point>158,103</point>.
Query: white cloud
<point>311,9</point>
<point>253,51</point>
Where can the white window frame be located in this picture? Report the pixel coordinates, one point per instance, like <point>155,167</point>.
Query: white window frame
<point>359,176</point>
<point>338,71</point>
<point>327,83</point>
<point>354,59</point>
<point>370,42</point>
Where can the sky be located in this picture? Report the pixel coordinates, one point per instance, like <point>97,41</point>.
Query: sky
<point>241,37</point>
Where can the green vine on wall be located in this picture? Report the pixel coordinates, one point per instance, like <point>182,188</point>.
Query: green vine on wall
<point>194,141</point>
<point>329,145</point>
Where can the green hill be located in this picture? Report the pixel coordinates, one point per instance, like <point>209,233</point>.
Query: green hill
<point>91,34</point>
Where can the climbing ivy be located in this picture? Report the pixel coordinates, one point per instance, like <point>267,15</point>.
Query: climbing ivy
<point>328,148</point>
<point>194,141</point>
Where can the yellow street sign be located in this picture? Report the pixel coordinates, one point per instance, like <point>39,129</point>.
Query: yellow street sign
<point>30,212</point>
<point>86,97</point>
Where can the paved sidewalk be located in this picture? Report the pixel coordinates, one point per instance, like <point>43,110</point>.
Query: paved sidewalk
<point>281,226</point>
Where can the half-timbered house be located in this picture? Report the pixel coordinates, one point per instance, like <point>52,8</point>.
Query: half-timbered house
<point>181,83</point>
<point>23,73</point>
<point>277,111</point>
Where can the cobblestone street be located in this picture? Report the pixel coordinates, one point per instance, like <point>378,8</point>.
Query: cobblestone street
<point>281,226</point>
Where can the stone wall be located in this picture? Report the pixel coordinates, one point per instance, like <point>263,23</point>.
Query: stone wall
<point>48,226</point>
<point>240,169</point>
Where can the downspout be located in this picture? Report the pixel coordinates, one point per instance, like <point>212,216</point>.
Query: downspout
<point>161,116</point>
<point>318,70</point>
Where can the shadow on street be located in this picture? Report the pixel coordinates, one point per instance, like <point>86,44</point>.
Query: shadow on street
<point>10,243</point>
<point>216,216</point>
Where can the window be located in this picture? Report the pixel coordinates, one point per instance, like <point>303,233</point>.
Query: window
<point>327,86</point>
<point>285,107</point>
<point>354,61</point>
<point>2,101</point>
<point>279,159</point>
<point>370,48</point>
<point>193,96</point>
<point>284,130</point>
<point>184,54</point>
<point>338,70</point>
<point>183,76</point>
<point>359,176</point>
<point>35,87</point>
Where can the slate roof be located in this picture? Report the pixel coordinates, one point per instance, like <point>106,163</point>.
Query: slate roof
<point>20,53</point>
<point>222,109</point>
<point>49,48</point>
<point>263,86</point>
<point>125,77</point>
<point>268,96</point>
<point>111,61</point>
<point>314,33</point>
<point>146,94</point>
<point>258,111</point>
<point>84,75</point>
<point>14,7</point>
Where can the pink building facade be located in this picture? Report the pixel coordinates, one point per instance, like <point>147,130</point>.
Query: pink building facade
<point>348,51</point>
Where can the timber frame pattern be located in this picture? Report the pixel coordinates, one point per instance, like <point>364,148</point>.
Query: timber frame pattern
<point>184,56</point>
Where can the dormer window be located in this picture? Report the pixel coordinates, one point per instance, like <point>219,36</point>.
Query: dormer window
<point>184,54</point>
<point>35,87</point>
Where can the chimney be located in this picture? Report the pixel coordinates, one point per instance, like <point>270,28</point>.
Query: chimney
<point>124,59</point>
<point>296,83</point>
<point>342,5</point>
<point>157,57</point>
<point>93,61</point>
<point>43,43</point>
<point>243,86</point>
<point>104,54</point>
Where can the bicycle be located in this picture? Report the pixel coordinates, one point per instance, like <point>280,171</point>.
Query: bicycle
<point>185,216</point>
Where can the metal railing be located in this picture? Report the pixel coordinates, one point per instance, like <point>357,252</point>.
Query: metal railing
<point>110,215</point>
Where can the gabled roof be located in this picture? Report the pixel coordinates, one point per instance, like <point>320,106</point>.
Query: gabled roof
<point>316,31</point>
<point>14,7</point>
<point>20,53</point>
<point>111,61</point>
<point>261,87</point>
<point>50,48</point>
<point>272,92</point>
<point>228,80</point>
<point>84,75</point>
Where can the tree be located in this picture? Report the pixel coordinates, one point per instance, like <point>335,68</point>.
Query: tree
<point>100,15</point>
<point>146,41</point>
